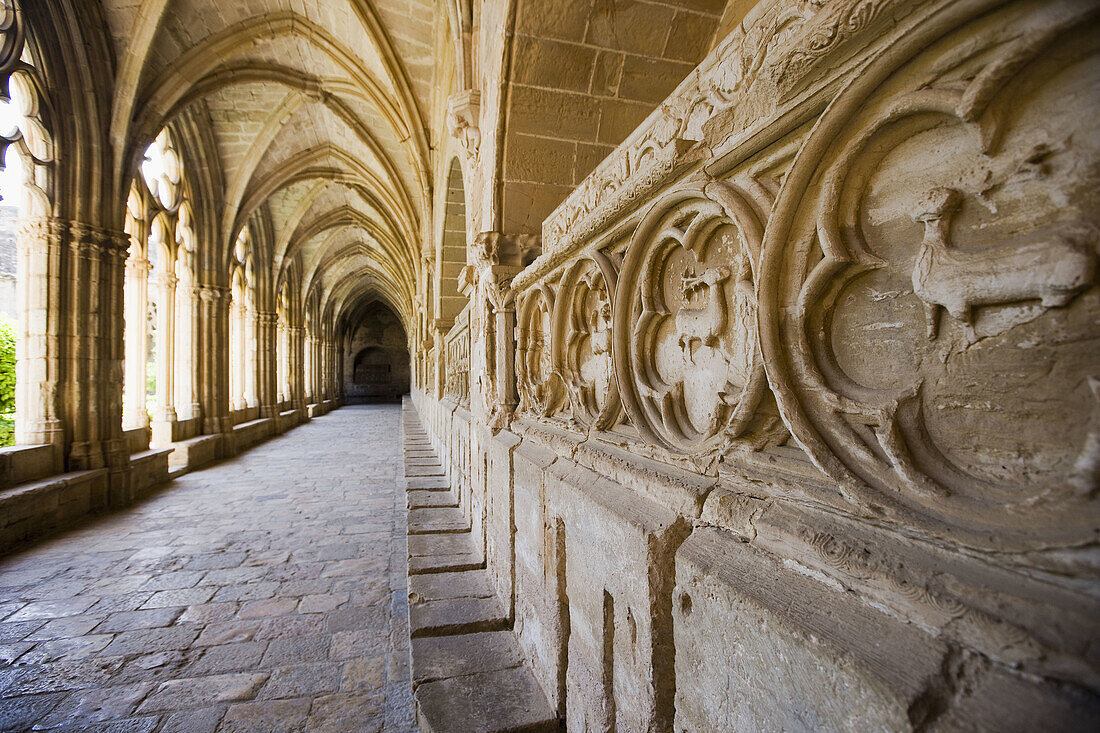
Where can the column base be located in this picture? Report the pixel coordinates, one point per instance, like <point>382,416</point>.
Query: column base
<point>85,456</point>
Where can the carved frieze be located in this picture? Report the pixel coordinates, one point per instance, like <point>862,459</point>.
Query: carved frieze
<point>686,353</point>
<point>457,380</point>
<point>582,341</point>
<point>928,306</point>
<point>746,76</point>
<point>540,387</point>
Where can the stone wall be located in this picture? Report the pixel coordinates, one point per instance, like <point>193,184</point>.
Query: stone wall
<point>806,435</point>
<point>376,359</point>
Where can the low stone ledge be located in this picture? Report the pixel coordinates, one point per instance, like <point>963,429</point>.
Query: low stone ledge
<point>33,509</point>
<point>148,468</point>
<point>137,439</point>
<point>22,463</point>
<point>287,419</point>
<point>193,453</point>
<point>248,434</point>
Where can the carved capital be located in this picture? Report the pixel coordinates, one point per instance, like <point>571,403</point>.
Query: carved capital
<point>213,293</point>
<point>164,280</point>
<point>463,112</point>
<point>35,233</point>
<point>514,250</point>
<point>136,266</point>
<point>265,318</point>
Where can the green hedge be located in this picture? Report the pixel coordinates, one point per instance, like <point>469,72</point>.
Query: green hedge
<point>7,382</point>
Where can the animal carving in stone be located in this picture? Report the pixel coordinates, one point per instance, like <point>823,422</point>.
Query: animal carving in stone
<point>704,323</point>
<point>1052,271</point>
<point>599,329</point>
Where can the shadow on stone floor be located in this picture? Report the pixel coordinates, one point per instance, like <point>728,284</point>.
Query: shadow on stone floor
<point>264,593</point>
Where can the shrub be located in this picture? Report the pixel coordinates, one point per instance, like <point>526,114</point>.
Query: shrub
<point>7,382</point>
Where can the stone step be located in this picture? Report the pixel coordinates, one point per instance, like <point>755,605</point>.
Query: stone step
<point>468,673</point>
<point>437,519</point>
<point>447,586</point>
<point>441,544</point>
<point>416,452</point>
<point>444,563</point>
<point>431,499</point>
<point>500,701</point>
<point>428,461</point>
<point>439,657</point>
<point>435,470</point>
<point>428,483</point>
<point>456,616</point>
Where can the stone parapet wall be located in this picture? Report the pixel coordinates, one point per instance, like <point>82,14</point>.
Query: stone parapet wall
<point>807,385</point>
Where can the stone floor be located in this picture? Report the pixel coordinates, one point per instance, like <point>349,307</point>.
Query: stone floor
<point>267,593</point>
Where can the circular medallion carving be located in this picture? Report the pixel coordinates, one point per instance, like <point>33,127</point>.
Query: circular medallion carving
<point>928,312</point>
<point>582,341</point>
<point>685,351</point>
<point>540,387</point>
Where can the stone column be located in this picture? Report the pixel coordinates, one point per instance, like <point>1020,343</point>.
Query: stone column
<point>251,354</point>
<point>187,330</point>
<point>499,258</point>
<point>439,374</point>
<point>308,368</point>
<point>214,338</point>
<point>116,449</point>
<point>82,311</point>
<point>164,418</point>
<point>38,350</point>
<point>294,367</point>
<point>137,301</point>
<point>283,355</point>
<point>504,341</point>
<point>267,363</point>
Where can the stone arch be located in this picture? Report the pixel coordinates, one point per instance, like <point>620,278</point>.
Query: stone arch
<point>450,253</point>
<point>376,356</point>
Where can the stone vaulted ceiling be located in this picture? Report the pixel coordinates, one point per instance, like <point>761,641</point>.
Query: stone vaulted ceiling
<point>316,112</point>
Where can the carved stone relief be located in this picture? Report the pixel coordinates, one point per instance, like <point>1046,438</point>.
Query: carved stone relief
<point>463,112</point>
<point>582,341</point>
<point>686,354</point>
<point>540,388</point>
<point>457,385</point>
<point>928,309</point>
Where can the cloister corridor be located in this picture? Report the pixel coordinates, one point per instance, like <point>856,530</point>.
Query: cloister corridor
<point>264,593</point>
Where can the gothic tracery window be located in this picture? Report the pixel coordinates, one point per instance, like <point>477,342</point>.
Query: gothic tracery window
<point>26,152</point>
<point>160,295</point>
<point>242,326</point>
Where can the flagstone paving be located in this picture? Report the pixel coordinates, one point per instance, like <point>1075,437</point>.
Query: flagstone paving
<point>267,593</point>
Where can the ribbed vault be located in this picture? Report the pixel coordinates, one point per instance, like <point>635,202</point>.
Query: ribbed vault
<point>312,126</point>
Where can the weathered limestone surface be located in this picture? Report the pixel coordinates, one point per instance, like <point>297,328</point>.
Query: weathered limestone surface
<point>806,384</point>
<point>752,348</point>
<point>468,672</point>
<point>266,593</point>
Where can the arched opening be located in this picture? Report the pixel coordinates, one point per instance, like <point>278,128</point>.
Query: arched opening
<point>372,367</point>
<point>159,297</point>
<point>451,249</point>
<point>242,326</point>
<point>24,182</point>
<point>376,356</point>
